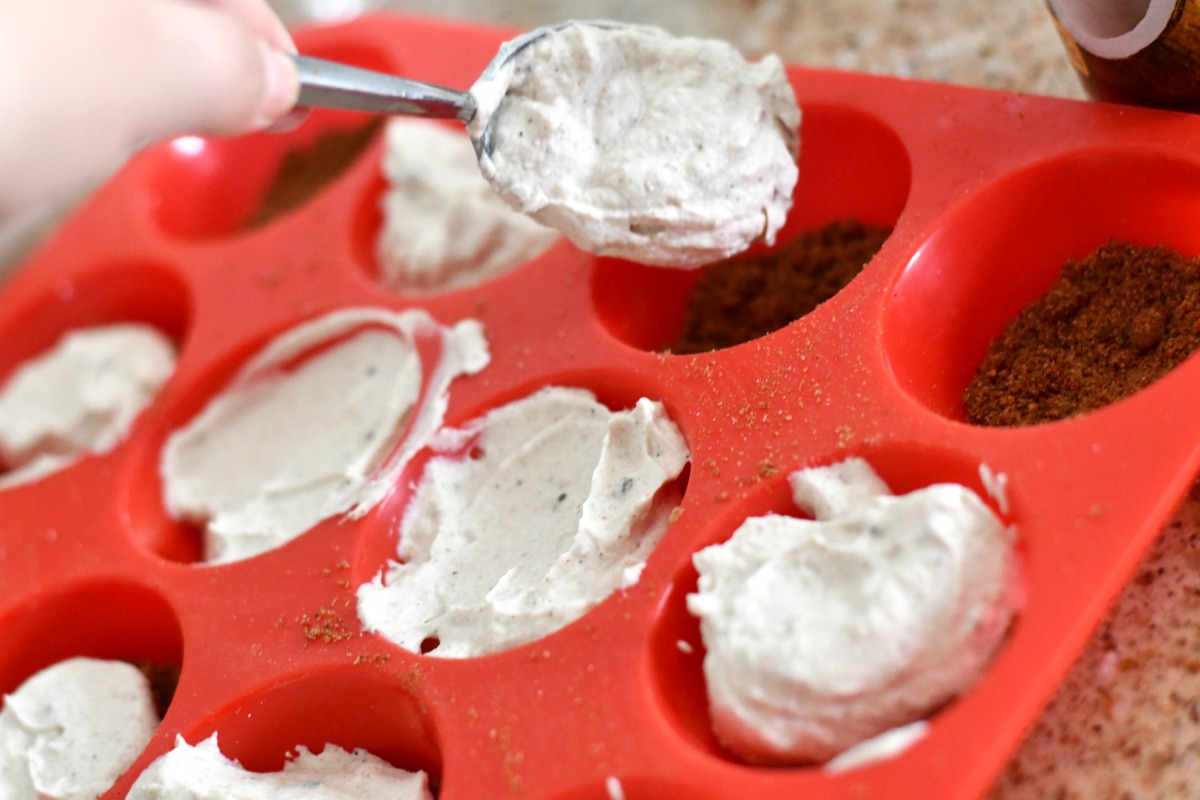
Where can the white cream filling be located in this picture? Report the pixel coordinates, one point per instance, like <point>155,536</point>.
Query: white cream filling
<point>79,397</point>
<point>319,423</point>
<point>640,145</point>
<point>557,504</point>
<point>822,634</point>
<point>201,772</point>
<point>886,745</point>
<point>69,731</point>
<point>443,226</point>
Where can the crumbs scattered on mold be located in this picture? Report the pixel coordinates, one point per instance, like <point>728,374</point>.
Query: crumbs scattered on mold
<point>845,435</point>
<point>326,625</point>
<point>372,659</point>
<point>343,564</point>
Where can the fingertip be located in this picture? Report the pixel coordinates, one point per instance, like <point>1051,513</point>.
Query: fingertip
<point>259,17</point>
<point>281,87</point>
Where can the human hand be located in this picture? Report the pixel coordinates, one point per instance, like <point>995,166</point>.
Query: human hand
<point>84,83</point>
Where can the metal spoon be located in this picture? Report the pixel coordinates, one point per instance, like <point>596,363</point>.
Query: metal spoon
<point>328,84</point>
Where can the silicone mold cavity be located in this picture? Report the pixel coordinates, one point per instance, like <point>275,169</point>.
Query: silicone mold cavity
<point>207,187</point>
<point>112,619</point>
<point>676,649</point>
<point>378,547</point>
<point>348,707</point>
<point>1005,245</point>
<point>104,294</point>
<point>277,358</point>
<point>151,526</point>
<point>852,166</point>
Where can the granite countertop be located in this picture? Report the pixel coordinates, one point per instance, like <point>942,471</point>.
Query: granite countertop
<point>1126,721</point>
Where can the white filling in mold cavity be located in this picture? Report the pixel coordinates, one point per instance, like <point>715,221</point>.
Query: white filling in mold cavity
<point>996,485</point>
<point>636,144</point>
<point>69,731</point>
<point>888,744</point>
<point>824,633</point>
<point>202,772</point>
<point>444,227</point>
<point>537,512</point>
<point>79,397</point>
<point>319,423</point>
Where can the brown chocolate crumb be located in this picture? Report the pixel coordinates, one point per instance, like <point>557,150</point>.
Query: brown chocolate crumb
<point>372,659</point>
<point>1113,323</point>
<point>749,296</point>
<point>326,625</point>
<point>303,173</point>
<point>163,679</point>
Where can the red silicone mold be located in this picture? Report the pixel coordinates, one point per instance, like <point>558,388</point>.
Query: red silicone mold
<point>989,194</point>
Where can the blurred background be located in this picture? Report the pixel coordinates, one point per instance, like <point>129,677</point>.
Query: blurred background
<point>1009,45</point>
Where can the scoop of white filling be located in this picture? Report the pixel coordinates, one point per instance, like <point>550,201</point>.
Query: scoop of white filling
<point>558,504</point>
<point>288,444</point>
<point>443,226</point>
<point>637,144</point>
<point>203,773</point>
<point>821,634</point>
<point>69,731</point>
<point>81,396</point>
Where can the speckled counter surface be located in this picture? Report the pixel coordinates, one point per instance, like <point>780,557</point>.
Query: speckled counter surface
<point>1126,722</point>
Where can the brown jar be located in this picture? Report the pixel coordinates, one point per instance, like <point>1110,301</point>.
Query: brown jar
<point>1144,52</point>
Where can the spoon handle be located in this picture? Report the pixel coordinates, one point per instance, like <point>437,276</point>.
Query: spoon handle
<point>327,84</point>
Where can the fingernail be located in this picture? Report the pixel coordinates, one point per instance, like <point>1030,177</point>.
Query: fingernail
<point>289,121</point>
<point>282,86</point>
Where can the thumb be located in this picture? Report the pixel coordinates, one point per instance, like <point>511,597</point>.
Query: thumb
<point>203,71</point>
<point>86,83</point>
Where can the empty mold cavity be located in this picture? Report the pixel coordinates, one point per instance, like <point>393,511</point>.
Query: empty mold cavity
<point>209,187</point>
<point>676,649</point>
<point>522,501</point>
<point>350,707</point>
<point>106,620</point>
<point>1002,248</point>
<point>282,435</point>
<point>430,223</point>
<point>125,324</point>
<point>853,169</point>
